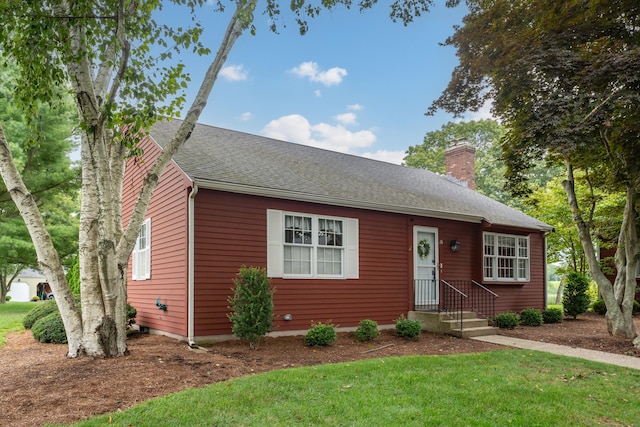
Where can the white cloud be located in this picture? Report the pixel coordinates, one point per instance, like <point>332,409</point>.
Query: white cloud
<point>296,128</point>
<point>386,156</point>
<point>317,93</point>
<point>311,70</point>
<point>346,119</point>
<point>234,73</point>
<point>483,113</point>
<point>355,107</point>
<point>246,116</point>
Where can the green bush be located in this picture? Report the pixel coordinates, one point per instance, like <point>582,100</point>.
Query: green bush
<point>599,307</point>
<point>506,320</point>
<point>367,330</point>
<point>320,334</point>
<point>131,314</point>
<point>552,315</point>
<point>50,329</point>
<point>38,312</point>
<point>7,298</point>
<point>408,328</point>
<point>636,308</point>
<point>575,299</point>
<point>252,305</point>
<point>73,277</point>
<point>531,317</point>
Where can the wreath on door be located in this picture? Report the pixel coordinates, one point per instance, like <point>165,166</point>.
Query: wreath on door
<point>424,248</point>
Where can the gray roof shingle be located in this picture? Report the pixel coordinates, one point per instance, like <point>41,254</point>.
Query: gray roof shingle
<point>229,160</point>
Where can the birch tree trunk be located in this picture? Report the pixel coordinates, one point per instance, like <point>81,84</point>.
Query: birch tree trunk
<point>619,308</point>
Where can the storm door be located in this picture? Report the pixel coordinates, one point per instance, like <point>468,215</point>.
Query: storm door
<point>425,261</point>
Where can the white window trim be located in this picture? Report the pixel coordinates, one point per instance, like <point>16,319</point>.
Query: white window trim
<point>494,277</point>
<point>143,255</point>
<point>276,244</point>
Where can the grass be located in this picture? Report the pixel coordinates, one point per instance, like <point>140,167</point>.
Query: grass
<point>509,387</point>
<point>11,314</point>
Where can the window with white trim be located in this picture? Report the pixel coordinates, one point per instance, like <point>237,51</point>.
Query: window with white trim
<point>311,246</point>
<point>141,255</point>
<point>505,257</point>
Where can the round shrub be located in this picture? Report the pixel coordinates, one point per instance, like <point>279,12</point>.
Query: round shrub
<point>320,334</point>
<point>506,320</point>
<point>531,317</point>
<point>38,312</point>
<point>50,329</point>
<point>367,330</point>
<point>599,307</point>
<point>552,315</point>
<point>408,328</point>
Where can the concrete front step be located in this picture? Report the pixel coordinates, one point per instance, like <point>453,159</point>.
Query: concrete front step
<point>479,331</point>
<point>472,326</point>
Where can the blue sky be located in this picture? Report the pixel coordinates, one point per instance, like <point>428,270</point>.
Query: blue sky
<point>355,83</point>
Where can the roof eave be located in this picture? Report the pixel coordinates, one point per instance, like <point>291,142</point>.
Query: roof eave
<point>315,198</point>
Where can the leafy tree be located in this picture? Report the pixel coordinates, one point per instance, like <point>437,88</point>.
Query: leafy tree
<point>105,51</point>
<point>42,158</point>
<point>563,79</point>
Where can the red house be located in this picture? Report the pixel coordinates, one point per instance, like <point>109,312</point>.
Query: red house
<point>343,238</point>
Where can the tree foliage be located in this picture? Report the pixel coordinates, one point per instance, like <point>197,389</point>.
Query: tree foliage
<point>40,149</point>
<point>563,79</point>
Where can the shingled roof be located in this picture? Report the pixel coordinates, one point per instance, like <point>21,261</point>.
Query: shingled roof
<point>228,160</point>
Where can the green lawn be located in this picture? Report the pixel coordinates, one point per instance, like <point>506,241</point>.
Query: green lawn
<point>11,314</point>
<point>498,388</point>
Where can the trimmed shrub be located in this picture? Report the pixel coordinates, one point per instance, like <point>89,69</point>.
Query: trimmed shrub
<point>506,320</point>
<point>575,299</point>
<point>531,317</point>
<point>131,314</point>
<point>320,334</point>
<point>367,330</point>
<point>599,307</point>
<point>50,329</point>
<point>408,328</point>
<point>73,277</point>
<point>38,312</point>
<point>552,315</point>
<point>252,305</point>
<point>7,298</point>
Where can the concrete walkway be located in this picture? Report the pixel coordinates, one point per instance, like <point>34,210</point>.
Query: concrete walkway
<point>563,350</point>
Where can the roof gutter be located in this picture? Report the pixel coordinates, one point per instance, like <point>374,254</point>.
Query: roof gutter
<point>191,264</point>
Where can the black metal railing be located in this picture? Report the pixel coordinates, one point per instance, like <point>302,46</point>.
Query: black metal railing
<point>454,297</point>
<point>426,295</point>
<point>481,300</point>
<point>453,302</point>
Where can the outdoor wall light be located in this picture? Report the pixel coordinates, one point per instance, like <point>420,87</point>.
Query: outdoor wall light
<point>455,245</point>
<point>288,317</point>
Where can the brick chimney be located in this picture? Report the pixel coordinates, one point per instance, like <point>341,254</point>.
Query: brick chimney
<point>460,163</point>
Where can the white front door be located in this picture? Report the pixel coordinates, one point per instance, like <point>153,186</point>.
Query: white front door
<point>425,261</point>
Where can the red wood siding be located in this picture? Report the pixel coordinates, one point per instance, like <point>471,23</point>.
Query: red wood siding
<point>231,232</point>
<point>168,211</point>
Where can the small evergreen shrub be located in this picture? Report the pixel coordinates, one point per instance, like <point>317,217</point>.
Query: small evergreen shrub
<point>7,298</point>
<point>367,330</point>
<point>50,329</point>
<point>252,305</point>
<point>552,315</point>
<point>38,312</point>
<point>320,334</point>
<point>506,320</point>
<point>131,314</point>
<point>636,308</point>
<point>73,277</point>
<point>408,328</point>
<point>575,299</point>
<point>599,307</point>
<point>531,317</point>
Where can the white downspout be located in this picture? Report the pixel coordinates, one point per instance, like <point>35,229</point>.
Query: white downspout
<point>190,267</point>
